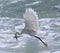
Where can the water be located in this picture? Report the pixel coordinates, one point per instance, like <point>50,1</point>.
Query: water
<point>49,32</point>
<point>11,20</point>
<point>16,8</point>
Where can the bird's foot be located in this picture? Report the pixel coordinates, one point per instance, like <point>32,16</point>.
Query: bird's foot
<point>45,44</point>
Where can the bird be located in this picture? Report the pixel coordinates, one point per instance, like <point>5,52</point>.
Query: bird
<point>31,25</point>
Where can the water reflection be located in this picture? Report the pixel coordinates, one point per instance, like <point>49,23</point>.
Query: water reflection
<point>32,46</point>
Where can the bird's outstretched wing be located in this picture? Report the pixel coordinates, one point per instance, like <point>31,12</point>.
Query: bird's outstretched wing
<point>31,19</point>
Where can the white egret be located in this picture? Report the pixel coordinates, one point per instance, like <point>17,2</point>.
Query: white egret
<point>31,24</point>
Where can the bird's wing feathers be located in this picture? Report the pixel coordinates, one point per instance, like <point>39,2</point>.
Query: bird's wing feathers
<point>31,19</point>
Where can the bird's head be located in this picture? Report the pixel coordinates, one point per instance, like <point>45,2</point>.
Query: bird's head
<point>17,35</point>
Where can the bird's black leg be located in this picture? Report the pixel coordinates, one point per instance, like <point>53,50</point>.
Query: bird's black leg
<point>41,40</point>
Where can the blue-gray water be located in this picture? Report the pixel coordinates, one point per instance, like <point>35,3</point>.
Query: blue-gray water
<point>15,8</point>
<point>11,20</point>
<point>49,32</point>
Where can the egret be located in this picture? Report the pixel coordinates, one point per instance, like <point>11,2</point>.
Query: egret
<point>31,25</point>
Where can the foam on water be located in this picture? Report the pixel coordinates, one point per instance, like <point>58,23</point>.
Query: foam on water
<point>49,32</point>
<point>34,3</point>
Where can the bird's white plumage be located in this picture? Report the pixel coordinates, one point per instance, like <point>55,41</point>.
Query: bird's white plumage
<point>31,24</point>
<point>31,19</point>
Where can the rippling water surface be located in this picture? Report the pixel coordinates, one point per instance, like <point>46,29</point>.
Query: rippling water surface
<point>16,8</point>
<point>11,20</point>
<point>49,32</point>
